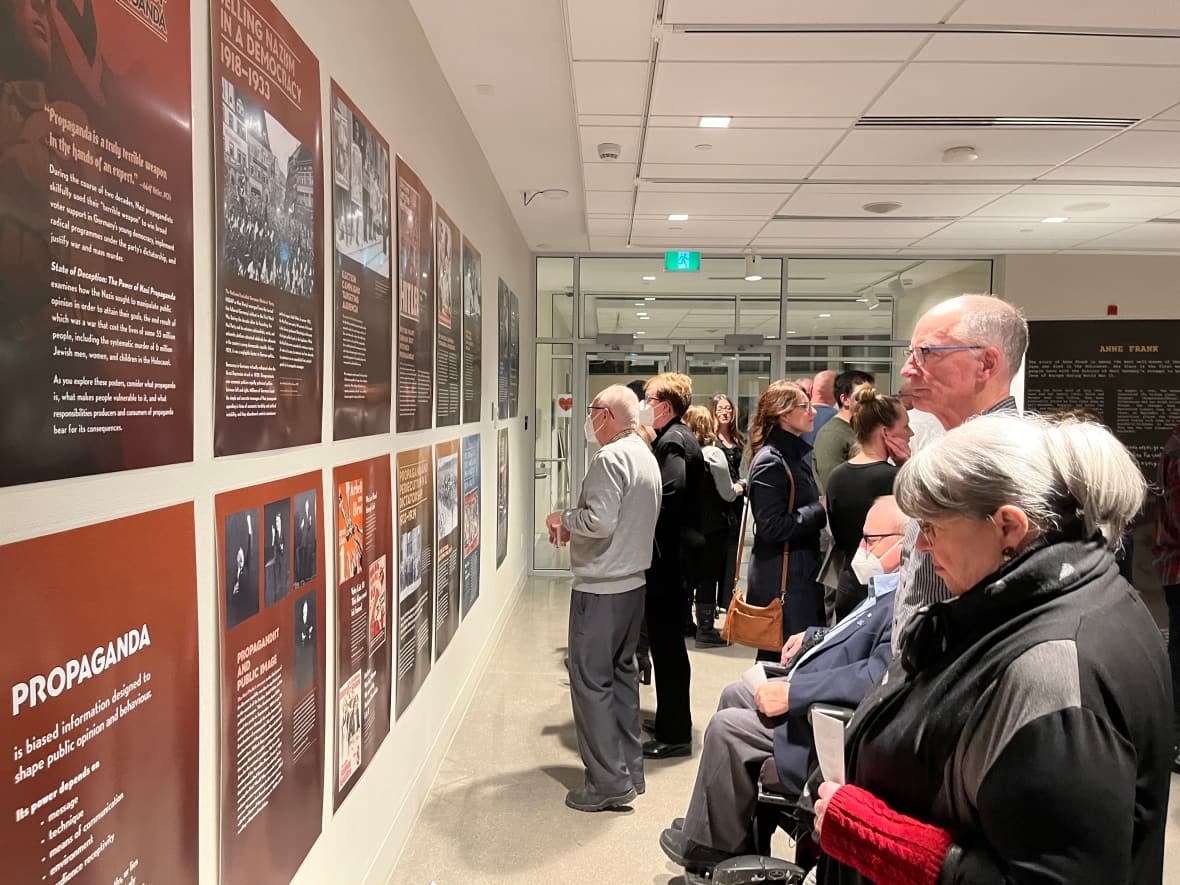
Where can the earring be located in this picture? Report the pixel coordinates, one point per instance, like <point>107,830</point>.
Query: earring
<point>1008,553</point>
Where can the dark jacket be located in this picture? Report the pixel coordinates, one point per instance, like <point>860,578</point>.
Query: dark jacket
<point>682,470</point>
<point>840,672</point>
<point>775,524</point>
<point>1030,718</point>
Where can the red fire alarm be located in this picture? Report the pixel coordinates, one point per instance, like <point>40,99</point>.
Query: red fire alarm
<point>1112,310</point>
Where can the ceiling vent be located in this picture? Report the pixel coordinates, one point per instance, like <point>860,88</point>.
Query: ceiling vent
<point>995,122</point>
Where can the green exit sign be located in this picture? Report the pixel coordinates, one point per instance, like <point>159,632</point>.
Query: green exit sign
<point>682,261</point>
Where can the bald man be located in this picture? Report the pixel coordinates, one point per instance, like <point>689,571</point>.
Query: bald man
<point>962,358</point>
<point>610,534</point>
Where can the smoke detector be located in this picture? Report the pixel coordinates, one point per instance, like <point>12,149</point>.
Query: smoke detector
<point>609,150</point>
<point>883,207</point>
<point>963,153</point>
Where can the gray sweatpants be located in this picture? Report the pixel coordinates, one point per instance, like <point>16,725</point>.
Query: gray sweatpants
<point>604,688</point>
<point>737,741</point>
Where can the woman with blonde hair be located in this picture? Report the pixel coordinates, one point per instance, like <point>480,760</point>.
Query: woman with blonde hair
<point>717,494</point>
<point>1024,734</point>
<point>733,444</point>
<point>788,515</point>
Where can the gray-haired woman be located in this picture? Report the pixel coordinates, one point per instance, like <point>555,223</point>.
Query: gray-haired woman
<point>1024,733</point>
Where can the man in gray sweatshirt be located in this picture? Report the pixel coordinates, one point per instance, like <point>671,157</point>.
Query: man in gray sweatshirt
<point>610,536</point>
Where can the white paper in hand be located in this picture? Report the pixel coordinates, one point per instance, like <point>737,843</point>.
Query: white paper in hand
<point>754,677</point>
<point>829,746</point>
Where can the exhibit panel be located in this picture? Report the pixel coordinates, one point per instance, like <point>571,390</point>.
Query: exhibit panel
<point>271,591</point>
<point>269,248</point>
<point>102,775</point>
<point>96,242</point>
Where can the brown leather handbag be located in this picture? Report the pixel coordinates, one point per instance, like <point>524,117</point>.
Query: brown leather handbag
<point>758,626</point>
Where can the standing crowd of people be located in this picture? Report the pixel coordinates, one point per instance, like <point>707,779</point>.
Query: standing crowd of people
<point>946,567</point>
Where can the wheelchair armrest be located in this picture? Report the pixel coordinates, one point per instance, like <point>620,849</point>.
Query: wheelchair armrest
<point>844,714</point>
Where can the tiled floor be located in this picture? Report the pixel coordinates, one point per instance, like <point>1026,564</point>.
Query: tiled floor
<point>495,812</point>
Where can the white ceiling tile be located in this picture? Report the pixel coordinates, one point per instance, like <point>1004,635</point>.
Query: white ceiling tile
<point>608,202</point>
<point>1136,148</point>
<point>627,121</point>
<point>818,200</point>
<point>714,187</point>
<point>1090,190</point>
<point>1172,113</point>
<point>658,202</point>
<point>610,87</point>
<point>758,89</point>
<point>626,138</point>
<point>881,191</point>
<point>1013,90</point>
<point>606,226</point>
<point>996,147</point>
<point>1043,48</point>
<point>723,172</point>
<point>1002,234</point>
<point>942,172</point>
<point>829,242</point>
<point>692,122</point>
<point>608,244</point>
<point>858,230</point>
<point>1079,207</point>
<point>680,46</point>
<point>805,11</point>
<point>1143,175</point>
<point>710,243</point>
<point>1143,236</point>
<point>1157,125</point>
<point>703,229</point>
<point>609,176</point>
<point>610,29</point>
<point>1078,13</point>
<point>740,146</point>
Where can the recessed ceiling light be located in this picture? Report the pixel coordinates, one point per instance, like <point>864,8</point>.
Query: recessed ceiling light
<point>678,216</point>
<point>1054,219</point>
<point>823,316</point>
<point>753,278</point>
<point>715,122</point>
<point>790,331</point>
<point>640,332</point>
<point>649,279</point>
<point>704,146</point>
<point>650,298</point>
<point>639,304</point>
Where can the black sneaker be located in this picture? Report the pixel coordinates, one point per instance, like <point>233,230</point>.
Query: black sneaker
<point>691,855</point>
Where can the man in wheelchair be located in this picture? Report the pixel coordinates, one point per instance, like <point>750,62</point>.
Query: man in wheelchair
<point>835,666</point>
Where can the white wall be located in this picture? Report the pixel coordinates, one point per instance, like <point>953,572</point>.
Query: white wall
<point>377,52</point>
<point>1081,286</point>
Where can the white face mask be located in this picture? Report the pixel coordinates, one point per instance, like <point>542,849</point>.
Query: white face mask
<point>866,565</point>
<point>647,415</point>
<point>588,427</point>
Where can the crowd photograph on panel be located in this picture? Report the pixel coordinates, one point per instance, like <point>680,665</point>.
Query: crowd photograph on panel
<point>934,588</point>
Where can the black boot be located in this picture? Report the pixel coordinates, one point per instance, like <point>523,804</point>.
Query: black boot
<point>706,633</point>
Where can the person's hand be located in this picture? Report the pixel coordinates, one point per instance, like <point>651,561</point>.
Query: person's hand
<point>826,790</point>
<point>794,643</point>
<point>823,500</point>
<point>739,488</point>
<point>772,698</point>
<point>558,533</point>
<point>898,450</point>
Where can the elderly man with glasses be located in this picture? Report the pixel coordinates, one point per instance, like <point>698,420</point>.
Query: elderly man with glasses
<point>962,358</point>
<point>610,535</point>
<point>836,666</point>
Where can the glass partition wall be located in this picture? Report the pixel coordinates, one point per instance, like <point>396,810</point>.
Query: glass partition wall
<point>733,326</point>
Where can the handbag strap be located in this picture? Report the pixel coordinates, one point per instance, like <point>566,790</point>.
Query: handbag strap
<point>737,566</point>
<point>782,585</point>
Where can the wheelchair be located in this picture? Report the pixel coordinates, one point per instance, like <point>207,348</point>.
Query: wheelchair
<point>775,808</point>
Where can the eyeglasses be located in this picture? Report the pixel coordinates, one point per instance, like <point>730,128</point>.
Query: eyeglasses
<point>919,355</point>
<point>870,540</point>
<point>651,400</point>
<point>929,530</point>
<point>807,406</point>
<point>590,409</point>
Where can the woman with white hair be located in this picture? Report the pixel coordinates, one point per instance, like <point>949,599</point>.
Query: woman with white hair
<point>1024,734</point>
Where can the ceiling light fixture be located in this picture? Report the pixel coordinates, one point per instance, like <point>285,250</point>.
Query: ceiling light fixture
<point>650,298</point>
<point>823,316</point>
<point>715,122</point>
<point>678,216</point>
<point>790,331</point>
<point>883,207</point>
<point>649,279</point>
<point>873,301</point>
<point>704,146</point>
<point>1054,219</point>
<point>753,272</point>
